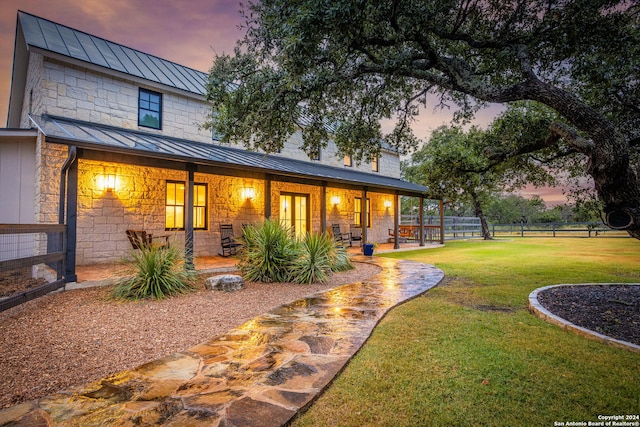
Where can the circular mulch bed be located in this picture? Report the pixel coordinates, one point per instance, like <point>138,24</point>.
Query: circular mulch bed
<point>612,310</point>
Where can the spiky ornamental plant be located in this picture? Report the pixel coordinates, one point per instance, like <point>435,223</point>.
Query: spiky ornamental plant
<point>268,253</point>
<point>157,273</point>
<point>314,264</point>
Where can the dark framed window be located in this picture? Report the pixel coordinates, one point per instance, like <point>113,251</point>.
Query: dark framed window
<point>175,206</point>
<point>348,161</point>
<point>357,212</point>
<point>375,164</point>
<point>149,109</point>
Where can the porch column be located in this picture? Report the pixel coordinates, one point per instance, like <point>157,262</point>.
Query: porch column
<point>323,208</point>
<point>421,220</point>
<point>441,209</point>
<point>267,196</point>
<point>72,221</point>
<point>396,222</point>
<point>365,238</point>
<point>188,219</point>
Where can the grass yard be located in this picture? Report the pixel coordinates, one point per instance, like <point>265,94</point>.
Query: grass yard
<point>469,353</point>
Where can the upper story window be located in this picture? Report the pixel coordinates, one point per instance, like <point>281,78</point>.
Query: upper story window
<point>375,165</point>
<point>149,109</point>
<point>348,161</point>
<point>316,157</point>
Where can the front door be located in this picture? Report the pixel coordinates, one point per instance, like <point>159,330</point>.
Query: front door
<point>294,212</point>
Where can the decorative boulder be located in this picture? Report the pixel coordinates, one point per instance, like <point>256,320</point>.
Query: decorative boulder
<point>225,282</point>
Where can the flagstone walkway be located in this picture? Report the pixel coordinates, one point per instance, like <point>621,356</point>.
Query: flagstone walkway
<point>260,374</point>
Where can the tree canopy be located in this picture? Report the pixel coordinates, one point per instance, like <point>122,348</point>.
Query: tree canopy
<point>334,69</point>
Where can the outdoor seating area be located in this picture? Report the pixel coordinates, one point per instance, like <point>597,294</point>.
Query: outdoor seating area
<point>140,239</point>
<point>228,241</point>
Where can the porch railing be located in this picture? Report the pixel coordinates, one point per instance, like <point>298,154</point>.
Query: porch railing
<point>455,227</point>
<point>32,259</point>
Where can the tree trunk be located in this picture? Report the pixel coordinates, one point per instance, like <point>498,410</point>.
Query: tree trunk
<point>477,207</point>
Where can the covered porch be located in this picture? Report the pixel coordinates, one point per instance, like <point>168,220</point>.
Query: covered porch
<point>115,179</point>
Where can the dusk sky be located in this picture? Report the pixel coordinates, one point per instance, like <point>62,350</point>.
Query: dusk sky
<point>186,32</point>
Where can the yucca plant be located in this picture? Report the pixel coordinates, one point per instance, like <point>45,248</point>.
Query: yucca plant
<point>157,273</point>
<point>340,259</point>
<point>314,263</point>
<point>268,253</point>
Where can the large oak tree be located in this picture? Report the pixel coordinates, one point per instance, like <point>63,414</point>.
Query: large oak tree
<point>334,69</point>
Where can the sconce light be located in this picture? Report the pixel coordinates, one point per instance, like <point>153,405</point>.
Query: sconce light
<point>387,204</point>
<point>335,200</point>
<point>248,193</point>
<point>107,182</point>
<point>110,182</point>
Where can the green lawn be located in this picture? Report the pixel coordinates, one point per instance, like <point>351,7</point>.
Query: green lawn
<point>468,353</point>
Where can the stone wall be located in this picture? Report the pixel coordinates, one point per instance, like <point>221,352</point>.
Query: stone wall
<point>79,93</point>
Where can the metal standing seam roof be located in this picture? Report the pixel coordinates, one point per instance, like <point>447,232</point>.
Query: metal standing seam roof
<point>113,139</point>
<point>63,40</point>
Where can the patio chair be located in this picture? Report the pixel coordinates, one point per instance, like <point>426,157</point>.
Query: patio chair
<point>340,238</point>
<point>140,239</point>
<point>355,233</point>
<point>228,241</point>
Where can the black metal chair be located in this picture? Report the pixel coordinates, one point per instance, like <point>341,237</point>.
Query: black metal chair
<point>228,241</point>
<point>141,239</point>
<point>341,238</point>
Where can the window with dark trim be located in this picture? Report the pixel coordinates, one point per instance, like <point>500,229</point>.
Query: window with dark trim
<point>357,212</point>
<point>175,206</point>
<point>149,109</point>
<point>375,165</point>
<point>347,161</point>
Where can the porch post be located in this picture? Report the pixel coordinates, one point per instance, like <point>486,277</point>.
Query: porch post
<point>188,218</point>
<point>267,196</point>
<point>72,221</point>
<point>323,207</point>
<point>396,221</point>
<point>365,238</point>
<point>441,209</point>
<point>421,221</point>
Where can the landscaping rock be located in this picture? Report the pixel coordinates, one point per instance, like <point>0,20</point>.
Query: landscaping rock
<point>224,282</point>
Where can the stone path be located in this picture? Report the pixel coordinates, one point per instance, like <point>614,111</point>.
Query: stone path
<point>260,374</point>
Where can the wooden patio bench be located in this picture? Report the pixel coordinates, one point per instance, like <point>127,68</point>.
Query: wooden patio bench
<point>140,239</point>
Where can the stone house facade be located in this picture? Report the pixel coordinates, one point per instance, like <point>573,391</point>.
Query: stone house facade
<point>106,138</point>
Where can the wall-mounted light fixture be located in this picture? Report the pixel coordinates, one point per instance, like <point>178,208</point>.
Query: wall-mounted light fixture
<point>248,193</point>
<point>387,204</point>
<point>335,200</point>
<point>107,182</point>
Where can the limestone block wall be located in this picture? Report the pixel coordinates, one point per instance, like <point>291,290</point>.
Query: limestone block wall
<point>79,93</point>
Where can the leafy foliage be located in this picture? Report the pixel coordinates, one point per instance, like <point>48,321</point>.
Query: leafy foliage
<point>157,273</point>
<point>272,254</point>
<point>334,70</point>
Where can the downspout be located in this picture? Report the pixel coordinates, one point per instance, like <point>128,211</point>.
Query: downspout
<point>73,154</point>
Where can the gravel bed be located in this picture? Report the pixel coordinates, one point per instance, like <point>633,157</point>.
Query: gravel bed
<point>70,338</point>
<point>612,310</point>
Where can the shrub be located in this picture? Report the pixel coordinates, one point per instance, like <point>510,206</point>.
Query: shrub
<point>314,261</point>
<point>272,254</point>
<point>268,253</point>
<point>157,273</point>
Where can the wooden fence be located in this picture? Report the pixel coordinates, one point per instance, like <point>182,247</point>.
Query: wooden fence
<point>32,260</point>
<point>455,227</point>
<point>556,229</point>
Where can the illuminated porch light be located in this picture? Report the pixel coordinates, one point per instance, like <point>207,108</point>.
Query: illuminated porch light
<point>387,204</point>
<point>248,193</point>
<point>107,182</point>
<point>335,200</point>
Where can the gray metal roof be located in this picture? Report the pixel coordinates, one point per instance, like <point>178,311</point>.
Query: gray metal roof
<point>66,41</point>
<point>127,141</point>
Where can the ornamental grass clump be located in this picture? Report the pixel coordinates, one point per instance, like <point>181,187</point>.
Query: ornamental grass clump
<point>273,254</point>
<point>157,273</point>
<point>268,253</point>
